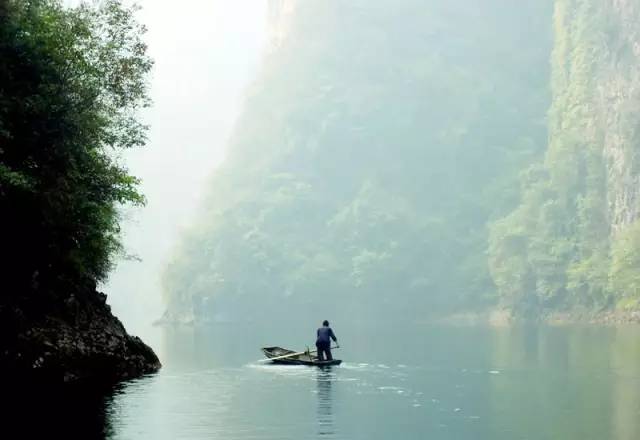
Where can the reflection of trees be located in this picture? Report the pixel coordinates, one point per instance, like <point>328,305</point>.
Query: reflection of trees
<point>625,366</point>
<point>565,382</point>
<point>62,413</point>
<point>324,380</point>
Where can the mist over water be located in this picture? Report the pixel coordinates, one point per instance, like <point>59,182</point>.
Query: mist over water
<point>206,53</point>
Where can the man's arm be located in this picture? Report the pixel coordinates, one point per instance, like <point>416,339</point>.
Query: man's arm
<point>332,335</point>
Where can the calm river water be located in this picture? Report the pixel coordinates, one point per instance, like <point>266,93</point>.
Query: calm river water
<point>422,382</point>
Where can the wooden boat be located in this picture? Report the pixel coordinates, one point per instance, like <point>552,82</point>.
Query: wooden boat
<point>279,355</point>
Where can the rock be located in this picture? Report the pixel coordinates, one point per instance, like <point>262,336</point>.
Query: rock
<point>75,340</point>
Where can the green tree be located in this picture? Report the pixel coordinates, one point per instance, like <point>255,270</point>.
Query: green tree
<point>71,83</point>
<point>625,260</point>
<point>374,147</point>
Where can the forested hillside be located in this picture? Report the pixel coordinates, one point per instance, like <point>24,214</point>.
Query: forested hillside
<point>378,141</point>
<point>574,240</point>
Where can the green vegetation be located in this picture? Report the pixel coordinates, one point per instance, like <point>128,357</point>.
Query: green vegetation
<point>71,81</point>
<point>422,158</point>
<point>563,247</point>
<point>373,148</point>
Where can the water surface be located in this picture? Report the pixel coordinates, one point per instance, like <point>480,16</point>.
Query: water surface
<point>436,382</point>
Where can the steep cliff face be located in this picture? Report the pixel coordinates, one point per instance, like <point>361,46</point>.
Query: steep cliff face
<point>571,241</point>
<point>380,143</point>
<point>618,105</point>
<point>281,12</point>
<point>377,141</point>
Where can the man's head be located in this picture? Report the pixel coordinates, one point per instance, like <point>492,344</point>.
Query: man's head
<point>325,323</point>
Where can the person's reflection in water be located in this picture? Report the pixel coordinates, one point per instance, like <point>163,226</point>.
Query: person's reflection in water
<point>325,378</point>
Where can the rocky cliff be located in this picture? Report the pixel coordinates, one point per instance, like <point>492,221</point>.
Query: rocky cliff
<point>412,154</point>
<point>281,13</point>
<point>617,106</point>
<point>373,147</point>
<point>68,339</point>
<point>572,241</point>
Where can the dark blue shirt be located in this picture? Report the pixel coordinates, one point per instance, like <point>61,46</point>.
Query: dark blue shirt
<point>324,333</point>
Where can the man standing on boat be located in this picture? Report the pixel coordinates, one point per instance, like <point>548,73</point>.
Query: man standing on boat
<point>323,343</point>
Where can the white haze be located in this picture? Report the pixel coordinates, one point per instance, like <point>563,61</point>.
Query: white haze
<point>205,52</point>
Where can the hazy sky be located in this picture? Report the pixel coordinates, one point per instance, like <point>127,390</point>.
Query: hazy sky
<point>206,52</point>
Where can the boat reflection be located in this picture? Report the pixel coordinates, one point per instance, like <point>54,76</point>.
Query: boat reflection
<point>324,379</point>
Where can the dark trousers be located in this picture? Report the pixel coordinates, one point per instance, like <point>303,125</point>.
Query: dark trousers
<point>324,351</point>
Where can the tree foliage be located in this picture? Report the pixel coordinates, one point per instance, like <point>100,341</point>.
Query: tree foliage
<point>71,82</point>
<point>421,158</point>
<point>373,148</point>
<point>563,247</point>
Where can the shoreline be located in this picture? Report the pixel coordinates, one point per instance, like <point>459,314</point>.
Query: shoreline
<point>505,318</point>
<point>493,317</point>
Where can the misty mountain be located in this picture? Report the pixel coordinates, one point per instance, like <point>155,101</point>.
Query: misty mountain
<point>574,239</point>
<point>374,147</point>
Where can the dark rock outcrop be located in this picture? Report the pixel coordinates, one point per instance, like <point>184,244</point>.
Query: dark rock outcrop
<point>73,339</point>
